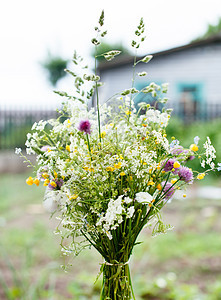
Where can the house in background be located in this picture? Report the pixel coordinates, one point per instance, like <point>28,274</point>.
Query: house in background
<point>193,72</point>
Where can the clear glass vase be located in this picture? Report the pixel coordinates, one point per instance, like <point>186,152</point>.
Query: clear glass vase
<point>116,282</point>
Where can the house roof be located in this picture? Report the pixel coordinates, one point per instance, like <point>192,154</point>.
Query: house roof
<point>125,59</point>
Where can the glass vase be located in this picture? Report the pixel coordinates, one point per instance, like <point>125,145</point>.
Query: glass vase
<point>116,282</point>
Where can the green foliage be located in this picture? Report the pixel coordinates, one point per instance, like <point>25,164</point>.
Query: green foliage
<point>55,67</point>
<point>185,133</point>
<point>189,248</point>
<point>211,30</point>
<point>13,135</point>
<point>166,288</point>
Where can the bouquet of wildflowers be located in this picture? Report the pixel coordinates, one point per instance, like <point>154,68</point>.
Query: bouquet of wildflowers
<point>107,172</point>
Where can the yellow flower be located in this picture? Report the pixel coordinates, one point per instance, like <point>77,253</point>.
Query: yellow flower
<point>85,168</point>
<point>91,169</point>
<point>150,183</point>
<point>121,157</point>
<point>173,181</point>
<point>45,175</point>
<point>194,147</point>
<point>29,180</point>
<point>184,195</point>
<point>111,124</point>
<point>122,174</point>
<point>176,165</point>
<point>68,148</point>
<point>55,174</point>
<point>103,133</point>
<point>200,176</point>
<point>52,183</point>
<point>73,197</point>
<point>118,165</point>
<point>111,169</point>
<point>159,187</point>
<point>46,182</point>
<point>36,181</point>
<point>144,125</point>
<point>127,112</point>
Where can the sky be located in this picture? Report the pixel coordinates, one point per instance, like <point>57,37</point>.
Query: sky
<point>29,29</point>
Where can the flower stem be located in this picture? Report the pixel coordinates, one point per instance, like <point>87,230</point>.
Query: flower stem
<point>97,95</point>
<point>133,80</point>
<point>88,143</point>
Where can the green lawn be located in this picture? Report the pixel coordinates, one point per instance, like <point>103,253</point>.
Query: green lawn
<point>183,264</point>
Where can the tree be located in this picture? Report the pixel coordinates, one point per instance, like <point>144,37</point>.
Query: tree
<point>105,47</point>
<point>55,66</point>
<point>211,30</point>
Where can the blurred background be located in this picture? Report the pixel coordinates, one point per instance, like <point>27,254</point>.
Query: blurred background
<point>38,40</point>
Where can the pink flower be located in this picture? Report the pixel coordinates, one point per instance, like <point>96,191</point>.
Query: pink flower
<point>185,174</point>
<point>45,148</point>
<point>168,165</point>
<point>85,126</point>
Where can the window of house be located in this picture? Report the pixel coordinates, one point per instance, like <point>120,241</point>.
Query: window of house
<point>190,99</point>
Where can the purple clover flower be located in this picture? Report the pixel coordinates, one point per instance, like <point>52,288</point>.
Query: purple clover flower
<point>168,190</point>
<point>185,174</point>
<point>177,151</point>
<point>85,126</point>
<point>168,165</point>
<point>191,157</point>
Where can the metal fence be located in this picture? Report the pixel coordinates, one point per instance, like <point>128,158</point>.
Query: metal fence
<point>15,124</point>
<point>197,111</point>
